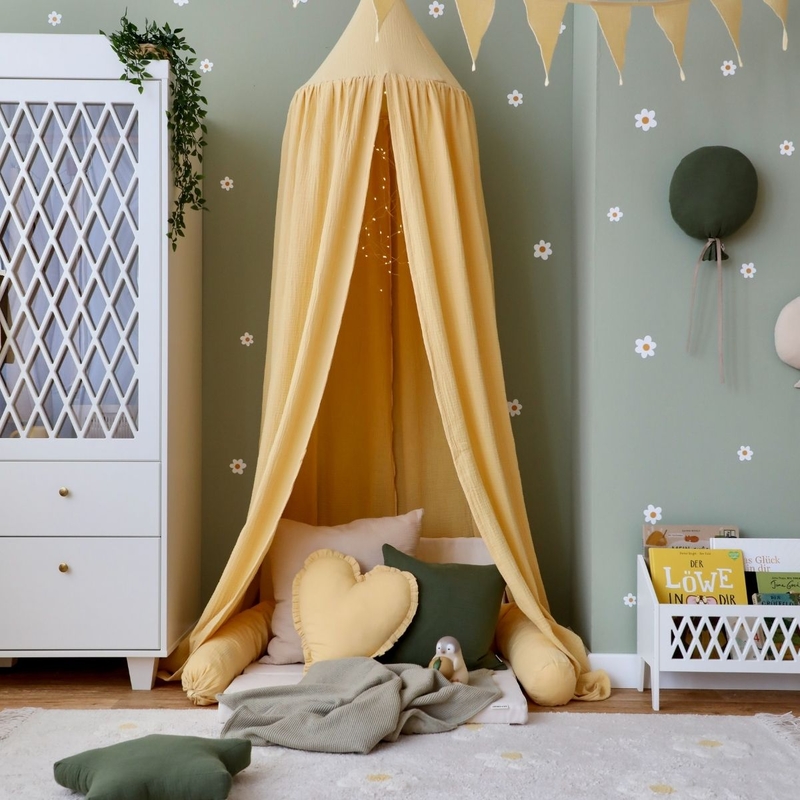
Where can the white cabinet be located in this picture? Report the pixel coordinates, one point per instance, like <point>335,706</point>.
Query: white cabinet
<point>99,362</point>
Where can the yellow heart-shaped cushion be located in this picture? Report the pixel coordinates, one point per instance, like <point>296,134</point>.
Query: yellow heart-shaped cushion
<point>340,613</point>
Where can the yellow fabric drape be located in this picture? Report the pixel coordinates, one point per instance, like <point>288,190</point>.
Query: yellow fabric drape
<point>446,234</point>
<point>434,425</point>
<point>320,207</point>
<point>447,237</point>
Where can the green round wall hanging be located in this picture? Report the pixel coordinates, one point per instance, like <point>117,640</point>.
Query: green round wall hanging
<point>713,193</point>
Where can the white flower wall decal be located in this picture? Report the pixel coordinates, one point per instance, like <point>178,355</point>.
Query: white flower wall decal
<point>614,214</point>
<point>515,98</point>
<point>745,453</point>
<point>514,408</point>
<point>436,9</point>
<point>54,18</point>
<point>247,339</point>
<point>652,513</point>
<point>646,119</point>
<point>748,270</point>
<point>206,65</point>
<point>181,2</point>
<point>646,347</point>
<point>629,600</point>
<point>787,148</point>
<point>237,466</point>
<point>728,68</point>
<point>542,250</point>
<point>563,28</point>
<point>226,183</point>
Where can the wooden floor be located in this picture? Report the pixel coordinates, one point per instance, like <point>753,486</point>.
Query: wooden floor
<point>103,683</point>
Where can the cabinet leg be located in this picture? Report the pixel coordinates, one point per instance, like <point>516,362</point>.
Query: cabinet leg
<point>7,662</point>
<point>642,673</point>
<point>654,681</point>
<point>142,672</point>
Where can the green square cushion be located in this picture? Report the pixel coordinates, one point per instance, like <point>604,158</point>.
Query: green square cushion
<point>461,600</point>
<point>156,767</point>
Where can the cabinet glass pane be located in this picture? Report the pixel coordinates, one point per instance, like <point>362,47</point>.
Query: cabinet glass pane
<point>69,245</point>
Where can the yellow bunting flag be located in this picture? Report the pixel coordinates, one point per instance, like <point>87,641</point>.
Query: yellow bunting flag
<point>673,19</point>
<point>615,19</point>
<point>544,18</point>
<point>475,18</point>
<point>781,8</point>
<point>731,13</point>
<point>545,21</point>
<point>382,9</point>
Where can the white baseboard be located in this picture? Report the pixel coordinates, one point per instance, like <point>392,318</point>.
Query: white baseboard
<point>623,669</point>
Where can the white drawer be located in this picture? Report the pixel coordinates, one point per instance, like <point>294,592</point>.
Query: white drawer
<point>106,599</point>
<point>75,498</point>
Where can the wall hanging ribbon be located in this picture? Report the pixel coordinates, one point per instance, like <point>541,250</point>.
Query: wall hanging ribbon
<point>545,16</point>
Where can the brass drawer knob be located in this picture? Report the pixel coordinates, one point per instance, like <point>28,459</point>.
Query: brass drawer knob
<point>63,491</point>
<point>63,567</point>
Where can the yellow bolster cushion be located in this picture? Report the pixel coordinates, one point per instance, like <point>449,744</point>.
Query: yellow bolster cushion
<point>547,675</point>
<point>239,642</point>
<point>340,613</point>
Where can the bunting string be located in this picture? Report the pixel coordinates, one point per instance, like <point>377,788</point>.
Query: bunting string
<point>545,17</point>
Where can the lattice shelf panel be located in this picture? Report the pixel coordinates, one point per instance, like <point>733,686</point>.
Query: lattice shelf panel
<point>69,269</point>
<point>735,637</point>
<point>704,638</point>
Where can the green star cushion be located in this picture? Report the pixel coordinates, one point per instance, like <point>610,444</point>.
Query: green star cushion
<point>156,767</point>
<point>461,600</point>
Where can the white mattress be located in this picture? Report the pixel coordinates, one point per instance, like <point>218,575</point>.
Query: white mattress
<point>511,708</point>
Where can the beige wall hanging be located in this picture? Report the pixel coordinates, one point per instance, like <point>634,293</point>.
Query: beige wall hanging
<point>787,335</point>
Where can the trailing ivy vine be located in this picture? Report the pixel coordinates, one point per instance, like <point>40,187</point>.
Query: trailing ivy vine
<point>185,117</point>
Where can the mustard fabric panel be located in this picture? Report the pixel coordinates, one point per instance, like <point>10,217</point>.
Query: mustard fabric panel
<point>321,195</point>
<point>378,447</point>
<point>436,155</point>
<point>330,339</point>
<point>426,476</point>
<point>349,470</point>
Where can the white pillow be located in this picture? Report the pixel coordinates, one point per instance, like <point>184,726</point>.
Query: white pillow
<point>458,550</point>
<point>294,542</point>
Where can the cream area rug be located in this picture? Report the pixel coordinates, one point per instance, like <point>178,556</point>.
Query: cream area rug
<point>556,756</point>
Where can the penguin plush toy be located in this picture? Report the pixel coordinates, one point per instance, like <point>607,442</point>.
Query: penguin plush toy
<point>449,661</point>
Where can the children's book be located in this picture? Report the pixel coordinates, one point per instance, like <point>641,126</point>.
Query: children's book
<point>657,535</point>
<point>765,555</point>
<point>776,599</point>
<point>698,576</point>
<point>778,582</point>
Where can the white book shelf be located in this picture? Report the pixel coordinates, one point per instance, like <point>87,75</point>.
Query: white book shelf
<point>708,638</point>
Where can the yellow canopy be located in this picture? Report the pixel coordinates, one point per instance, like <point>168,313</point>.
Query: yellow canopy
<point>384,388</point>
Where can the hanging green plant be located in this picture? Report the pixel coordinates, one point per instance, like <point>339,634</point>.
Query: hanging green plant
<point>135,49</point>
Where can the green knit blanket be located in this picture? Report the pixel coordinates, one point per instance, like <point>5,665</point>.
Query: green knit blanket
<point>349,705</point>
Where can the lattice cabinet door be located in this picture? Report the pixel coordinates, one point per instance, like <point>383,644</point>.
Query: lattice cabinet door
<point>81,243</point>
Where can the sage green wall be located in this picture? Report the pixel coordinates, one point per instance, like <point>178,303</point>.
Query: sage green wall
<point>262,52</point>
<point>661,430</point>
<point>664,431</point>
